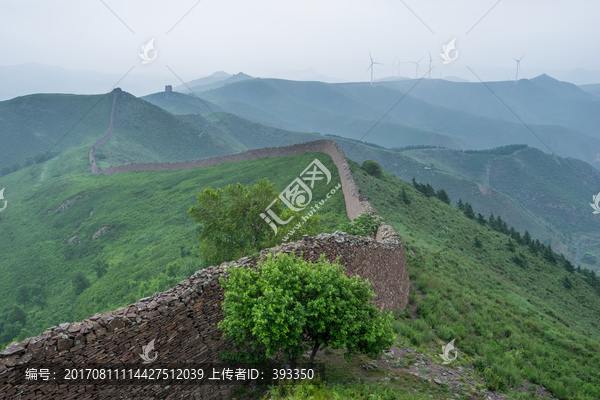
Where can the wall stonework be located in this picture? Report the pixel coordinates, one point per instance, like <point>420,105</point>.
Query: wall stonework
<point>92,156</point>
<point>183,320</point>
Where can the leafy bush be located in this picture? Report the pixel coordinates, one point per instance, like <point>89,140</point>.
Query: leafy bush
<point>291,301</point>
<point>80,282</point>
<point>232,226</point>
<point>365,224</point>
<point>372,168</point>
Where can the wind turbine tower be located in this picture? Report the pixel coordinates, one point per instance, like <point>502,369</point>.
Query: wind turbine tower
<point>430,60</point>
<point>371,66</point>
<point>417,67</point>
<point>518,66</point>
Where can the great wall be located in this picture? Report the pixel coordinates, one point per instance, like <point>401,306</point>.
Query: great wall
<point>183,320</point>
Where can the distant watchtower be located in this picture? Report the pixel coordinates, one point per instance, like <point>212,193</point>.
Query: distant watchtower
<point>168,88</point>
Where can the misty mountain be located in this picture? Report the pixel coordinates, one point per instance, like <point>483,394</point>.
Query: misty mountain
<point>353,109</point>
<point>33,78</point>
<point>592,88</point>
<point>541,100</point>
<point>207,80</point>
<point>217,84</point>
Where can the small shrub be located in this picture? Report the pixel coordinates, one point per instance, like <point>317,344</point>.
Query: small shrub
<point>372,167</point>
<point>365,224</point>
<point>479,365</point>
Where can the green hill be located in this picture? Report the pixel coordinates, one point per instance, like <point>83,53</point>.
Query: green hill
<point>144,132</point>
<point>530,190</point>
<point>35,124</point>
<point>558,191</point>
<point>530,319</point>
<point>56,227</point>
<point>30,126</point>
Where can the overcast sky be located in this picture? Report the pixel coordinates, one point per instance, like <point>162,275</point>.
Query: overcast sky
<point>272,37</point>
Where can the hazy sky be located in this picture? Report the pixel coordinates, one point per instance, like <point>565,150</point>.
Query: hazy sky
<point>266,37</point>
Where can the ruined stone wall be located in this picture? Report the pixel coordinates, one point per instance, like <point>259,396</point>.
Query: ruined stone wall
<point>92,156</point>
<point>183,322</point>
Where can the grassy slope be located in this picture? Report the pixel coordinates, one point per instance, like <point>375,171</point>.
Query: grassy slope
<point>529,190</point>
<point>147,220</point>
<point>39,122</point>
<point>144,132</point>
<point>523,321</point>
<point>543,185</point>
<point>458,172</point>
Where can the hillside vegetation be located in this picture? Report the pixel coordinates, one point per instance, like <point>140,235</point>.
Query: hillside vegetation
<point>50,122</point>
<point>513,313</point>
<point>75,243</point>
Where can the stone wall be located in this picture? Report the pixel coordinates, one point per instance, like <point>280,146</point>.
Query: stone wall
<point>183,322</point>
<point>92,156</point>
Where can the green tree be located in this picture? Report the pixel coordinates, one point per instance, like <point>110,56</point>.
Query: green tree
<point>232,226</point>
<point>404,197</point>
<point>365,224</point>
<point>526,237</point>
<point>567,282</point>
<point>22,295</point>
<point>5,171</point>
<point>510,245</point>
<point>290,302</point>
<point>80,282</point>
<point>39,301</point>
<point>372,168</point>
<point>443,196</point>
<point>477,242</point>
<point>469,213</point>
<point>492,222</point>
<point>28,161</point>
<point>481,219</point>
<point>460,203</point>
<point>17,314</point>
<point>100,267</point>
<point>173,269</point>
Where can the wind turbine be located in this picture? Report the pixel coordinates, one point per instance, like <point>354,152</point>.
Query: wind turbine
<point>518,66</point>
<point>371,66</point>
<point>430,60</point>
<point>417,67</point>
<point>398,62</point>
